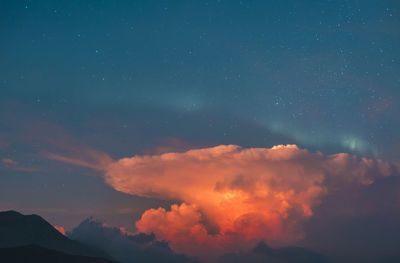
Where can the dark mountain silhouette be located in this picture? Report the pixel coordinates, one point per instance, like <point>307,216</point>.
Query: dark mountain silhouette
<point>263,253</point>
<point>21,230</point>
<point>291,254</point>
<point>126,248</point>
<point>33,253</point>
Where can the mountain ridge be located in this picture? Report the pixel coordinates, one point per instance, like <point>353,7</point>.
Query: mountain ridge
<point>18,230</point>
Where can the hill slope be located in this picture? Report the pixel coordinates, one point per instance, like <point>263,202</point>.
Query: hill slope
<point>22,230</point>
<point>34,253</point>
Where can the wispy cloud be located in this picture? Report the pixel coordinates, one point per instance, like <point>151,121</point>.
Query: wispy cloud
<point>11,164</point>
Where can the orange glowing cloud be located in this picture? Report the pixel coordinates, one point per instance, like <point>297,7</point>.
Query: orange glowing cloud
<point>60,229</point>
<point>233,196</point>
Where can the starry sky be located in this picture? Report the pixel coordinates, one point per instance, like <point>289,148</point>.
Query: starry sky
<point>124,78</point>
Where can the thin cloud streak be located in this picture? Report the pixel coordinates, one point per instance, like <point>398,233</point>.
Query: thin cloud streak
<point>82,156</point>
<point>11,164</point>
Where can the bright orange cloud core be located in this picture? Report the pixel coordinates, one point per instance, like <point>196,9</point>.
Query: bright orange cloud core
<point>233,196</point>
<point>60,229</point>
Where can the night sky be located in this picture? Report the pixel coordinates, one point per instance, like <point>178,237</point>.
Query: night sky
<point>84,84</point>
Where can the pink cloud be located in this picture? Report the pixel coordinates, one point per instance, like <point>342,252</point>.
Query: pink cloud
<point>232,196</point>
<point>9,161</point>
<point>14,165</point>
<point>60,229</point>
<point>97,162</point>
<point>169,144</point>
<point>81,156</point>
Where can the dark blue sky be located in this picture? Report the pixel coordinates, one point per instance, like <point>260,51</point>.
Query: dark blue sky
<point>324,74</point>
<point>133,77</point>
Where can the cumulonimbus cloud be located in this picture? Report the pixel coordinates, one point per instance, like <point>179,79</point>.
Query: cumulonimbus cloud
<point>232,195</point>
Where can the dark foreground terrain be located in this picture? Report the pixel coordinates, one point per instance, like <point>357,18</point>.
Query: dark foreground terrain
<point>33,253</point>
<point>30,238</point>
